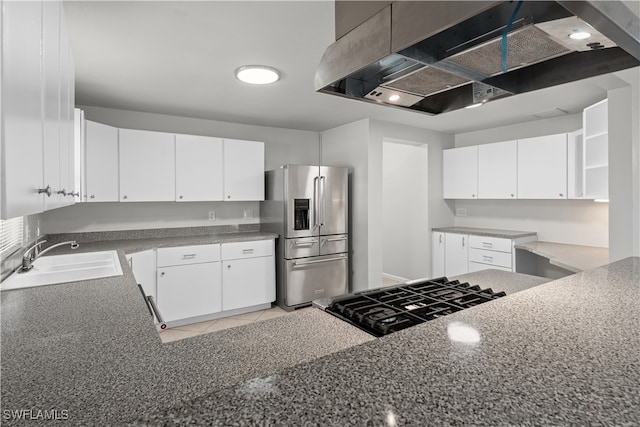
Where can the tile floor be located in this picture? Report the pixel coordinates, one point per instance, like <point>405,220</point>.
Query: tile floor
<point>187,331</point>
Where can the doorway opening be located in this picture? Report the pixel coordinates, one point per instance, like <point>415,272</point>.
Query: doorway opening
<point>405,214</point>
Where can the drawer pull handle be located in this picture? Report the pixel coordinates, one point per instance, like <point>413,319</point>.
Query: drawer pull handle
<point>487,244</point>
<point>189,256</point>
<point>335,239</point>
<point>487,258</point>
<point>247,251</point>
<point>306,243</point>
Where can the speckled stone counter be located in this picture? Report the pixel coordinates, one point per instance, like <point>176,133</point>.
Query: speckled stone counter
<point>574,258</point>
<point>90,348</point>
<point>499,280</point>
<point>488,232</point>
<point>562,353</point>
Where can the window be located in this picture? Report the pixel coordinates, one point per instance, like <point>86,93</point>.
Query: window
<point>11,233</point>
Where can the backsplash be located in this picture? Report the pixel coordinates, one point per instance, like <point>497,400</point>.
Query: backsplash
<point>152,233</point>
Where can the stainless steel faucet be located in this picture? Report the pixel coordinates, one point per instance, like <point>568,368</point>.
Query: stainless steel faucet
<point>28,258</point>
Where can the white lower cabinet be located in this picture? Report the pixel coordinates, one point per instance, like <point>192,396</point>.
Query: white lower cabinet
<point>188,290</point>
<point>203,282</point>
<point>437,254</point>
<point>456,258</point>
<point>248,274</point>
<point>454,254</point>
<point>143,266</point>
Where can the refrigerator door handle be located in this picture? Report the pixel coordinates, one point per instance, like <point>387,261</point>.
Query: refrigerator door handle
<point>323,181</point>
<point>305,243</point>
<point>316,197</point>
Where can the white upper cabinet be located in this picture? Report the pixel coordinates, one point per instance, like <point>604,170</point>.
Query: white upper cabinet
<point>575,165</point>
<point>243,170</point>
<point>67,102</point>
<point>22,153</point>
<point>199,170</point>
<point>52,103</point>
<point>37,108</point>
<point>542,167</point>
<point>101,164</point>
<point>498,170</point>
<point>147,166</point>
<point>460,173</point>
<point>596,150</point>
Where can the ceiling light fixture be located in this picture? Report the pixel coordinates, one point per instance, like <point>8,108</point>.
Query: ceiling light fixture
<point>579,35</point>
<point>394,98</point>
<point>257,74</point>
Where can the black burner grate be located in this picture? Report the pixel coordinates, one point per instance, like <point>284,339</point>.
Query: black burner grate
<point>383,311</point>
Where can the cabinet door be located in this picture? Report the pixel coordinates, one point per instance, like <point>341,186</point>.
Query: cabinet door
<point>248,282</point>
<point>198,168</point>
<point>51,124</point>
<point>101,167</point>
<point>143,266</point>
<point>243,170</point>
<point>188,290</point>
<point>147,166</point>
<point>21,108</point>
<point>456,254</point>
<point>498,170</point>
<point>66,117</point>
<point>542,167</point>
<point>437,254</point>
<point>460,173</point>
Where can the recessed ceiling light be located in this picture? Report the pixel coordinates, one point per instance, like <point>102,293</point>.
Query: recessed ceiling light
<point>394,98</point>
<point>257,74</point>
<point>579,35</point>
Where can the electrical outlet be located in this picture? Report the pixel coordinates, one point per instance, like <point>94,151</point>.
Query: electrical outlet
<point>461,212</point>
<point>248,214</point>
<point>212,215</point>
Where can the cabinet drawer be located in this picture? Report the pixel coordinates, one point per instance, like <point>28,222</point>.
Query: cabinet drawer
<point>188,255</point>
<point>501,259</point>
<point>240,250</point>
<point>476,266</point>
<point>490,243</point>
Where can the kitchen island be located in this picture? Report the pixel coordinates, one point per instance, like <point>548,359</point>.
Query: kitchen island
<point>563,352</point>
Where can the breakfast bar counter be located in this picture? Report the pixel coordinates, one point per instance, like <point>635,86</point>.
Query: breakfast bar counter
<point>563,352</point>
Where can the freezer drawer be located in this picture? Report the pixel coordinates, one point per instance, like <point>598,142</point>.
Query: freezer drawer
<point>313,278</point>
<point>336,244</point>
<point>302,247</point>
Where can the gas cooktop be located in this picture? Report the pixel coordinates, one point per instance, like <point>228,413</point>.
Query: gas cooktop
<point>386,310</point>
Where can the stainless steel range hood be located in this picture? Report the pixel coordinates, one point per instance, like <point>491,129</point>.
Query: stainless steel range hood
<point>439,56</point>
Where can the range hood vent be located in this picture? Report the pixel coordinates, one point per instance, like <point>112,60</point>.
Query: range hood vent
<point>439,56</point>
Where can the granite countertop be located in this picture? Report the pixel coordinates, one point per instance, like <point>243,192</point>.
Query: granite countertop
<point>91,349</point>
<point>561,353</point>
<point>574,258</point>
<point>488,232</point>
<point>500,280</point>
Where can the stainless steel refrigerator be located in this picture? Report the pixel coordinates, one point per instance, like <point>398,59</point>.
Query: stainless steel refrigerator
<point>308,207</point>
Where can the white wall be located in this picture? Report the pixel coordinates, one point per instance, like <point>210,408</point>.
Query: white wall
<point>624,167</point>
<point>405,210</point>
<point>358,145</point>
<point>440,212</point>
<point>577,222</point>
<point>282,146</point>
<point>347,146</point>
<point>86,217</point>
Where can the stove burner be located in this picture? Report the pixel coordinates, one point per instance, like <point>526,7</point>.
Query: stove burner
<point>388,310</point>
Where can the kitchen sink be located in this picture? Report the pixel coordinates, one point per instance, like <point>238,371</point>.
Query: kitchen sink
<point>55,269</point>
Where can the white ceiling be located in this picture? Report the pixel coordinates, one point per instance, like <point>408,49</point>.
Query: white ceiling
<point>179,58</point>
